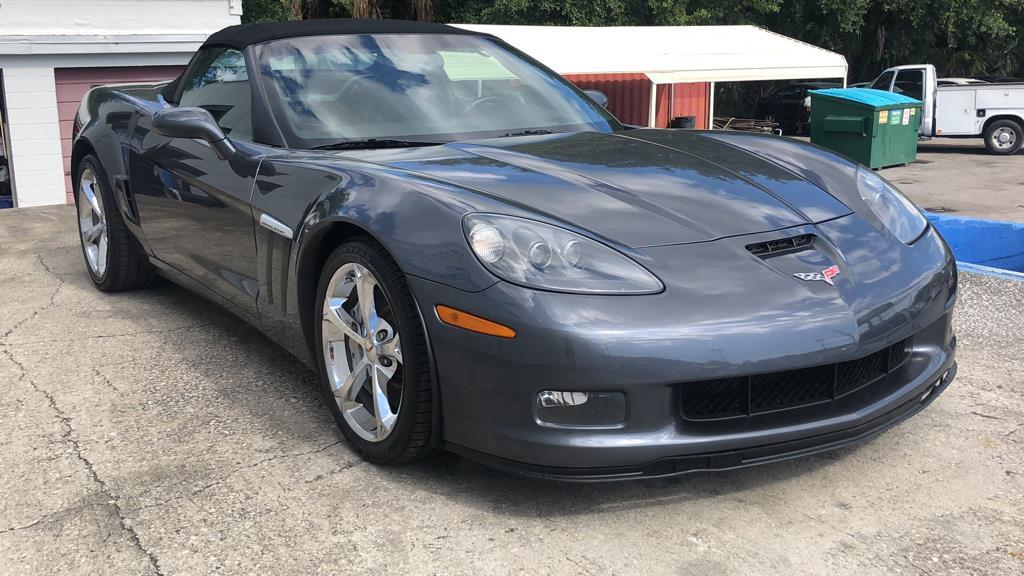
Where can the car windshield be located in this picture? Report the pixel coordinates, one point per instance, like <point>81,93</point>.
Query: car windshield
<point>419,87</point>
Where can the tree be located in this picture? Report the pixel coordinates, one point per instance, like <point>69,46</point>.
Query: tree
<point>961,37</point>
<point>365,9</point>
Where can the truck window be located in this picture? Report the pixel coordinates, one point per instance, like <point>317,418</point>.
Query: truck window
<point>882,82</point>
<point>910,83</point>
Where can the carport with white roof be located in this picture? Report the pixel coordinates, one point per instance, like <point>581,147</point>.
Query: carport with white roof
<point>673,54</point>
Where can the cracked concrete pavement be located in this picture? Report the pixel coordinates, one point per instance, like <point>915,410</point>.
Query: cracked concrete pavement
<point>153,433</point>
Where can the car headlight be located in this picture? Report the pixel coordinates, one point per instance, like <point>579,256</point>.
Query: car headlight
<point>897,213</point>
<point>543,256</point>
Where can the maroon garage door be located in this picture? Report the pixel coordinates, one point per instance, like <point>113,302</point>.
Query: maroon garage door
<point>72,84</point>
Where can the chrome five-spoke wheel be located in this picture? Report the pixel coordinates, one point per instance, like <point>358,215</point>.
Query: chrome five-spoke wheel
<point>362,352</point>
<point>92,223</point>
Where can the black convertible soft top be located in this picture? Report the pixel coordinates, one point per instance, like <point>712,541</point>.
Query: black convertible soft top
<point>238,37</point>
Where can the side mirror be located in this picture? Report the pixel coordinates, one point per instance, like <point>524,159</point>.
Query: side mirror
<point>189,122</point>
<point>598,97</point>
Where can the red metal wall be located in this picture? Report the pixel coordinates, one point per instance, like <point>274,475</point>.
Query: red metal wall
<point>73,83</point>
<point>629,97</point>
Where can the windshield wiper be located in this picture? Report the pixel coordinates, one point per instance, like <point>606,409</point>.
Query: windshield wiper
<point>368,143</point>
<point>527,132</point>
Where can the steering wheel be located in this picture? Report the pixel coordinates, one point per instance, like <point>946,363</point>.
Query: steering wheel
<point>352,84</point>
<point>482,101</point>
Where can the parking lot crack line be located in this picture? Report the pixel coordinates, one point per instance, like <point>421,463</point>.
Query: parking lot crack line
<point>68,436</point>
<point>119,335</point>
<point>988,416</point>
<point>338,470</point>
<point>234,471</point>
<point>67,428</point>
<point>52,517</point>
<point>35,313</point>
<point>106,380</point>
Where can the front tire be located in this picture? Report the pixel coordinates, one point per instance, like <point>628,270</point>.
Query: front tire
<point>1004,137</point>
<point>112,256</point>
<point>372,355</point>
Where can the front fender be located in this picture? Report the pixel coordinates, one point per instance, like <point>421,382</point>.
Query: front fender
<point>106,125</point>
<point>324,200</point>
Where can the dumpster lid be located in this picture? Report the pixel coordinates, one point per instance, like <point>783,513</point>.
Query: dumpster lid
<point>869,96</point>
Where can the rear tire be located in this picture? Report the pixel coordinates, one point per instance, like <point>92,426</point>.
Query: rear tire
<point>387,362</point>
<point>1004,137</point>
<point>113,258</point>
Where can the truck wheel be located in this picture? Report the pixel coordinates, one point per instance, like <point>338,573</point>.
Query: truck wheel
<point>1004,137</point>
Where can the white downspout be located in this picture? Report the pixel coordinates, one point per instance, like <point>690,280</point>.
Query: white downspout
<point>711,106</point>
<point>652,112</point>
<point>671,103</point>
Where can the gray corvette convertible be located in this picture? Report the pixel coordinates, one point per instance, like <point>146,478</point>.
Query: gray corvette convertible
<point>476,256</point>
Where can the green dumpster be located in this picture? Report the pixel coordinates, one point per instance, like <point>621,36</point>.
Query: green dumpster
<point>873,127</point>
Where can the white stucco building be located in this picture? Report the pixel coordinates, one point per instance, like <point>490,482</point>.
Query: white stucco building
<point>52,51</point>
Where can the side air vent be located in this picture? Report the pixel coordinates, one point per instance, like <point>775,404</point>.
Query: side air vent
<point>122,186</point>
<point>772,247</point>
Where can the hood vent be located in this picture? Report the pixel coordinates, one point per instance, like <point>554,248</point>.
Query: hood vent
<point>781,245</point>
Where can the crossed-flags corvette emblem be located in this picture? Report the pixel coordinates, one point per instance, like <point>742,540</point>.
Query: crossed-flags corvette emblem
<point>825,275</point>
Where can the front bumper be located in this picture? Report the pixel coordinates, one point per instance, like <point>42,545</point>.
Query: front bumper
<point>650,347</point>
<point>729,460</point>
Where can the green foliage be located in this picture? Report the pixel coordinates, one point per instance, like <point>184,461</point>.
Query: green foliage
<point>961,37</point>
<point>564,13</point>
<point>267,10</point>
<point>283,10</point>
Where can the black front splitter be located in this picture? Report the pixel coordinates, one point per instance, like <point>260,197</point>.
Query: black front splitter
<point>718,461</point>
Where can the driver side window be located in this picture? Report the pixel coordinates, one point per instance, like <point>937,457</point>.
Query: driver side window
<point>219,83</point>
<point>910,83</point>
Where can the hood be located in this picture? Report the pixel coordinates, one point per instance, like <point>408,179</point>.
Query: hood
<point>639,188</point>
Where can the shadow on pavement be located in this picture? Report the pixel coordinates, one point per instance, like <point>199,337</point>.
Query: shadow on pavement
<point>474,485</point>
<point>976,149</point>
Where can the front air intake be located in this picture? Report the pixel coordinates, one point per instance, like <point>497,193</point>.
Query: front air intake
<point>744,396</point>
<point>781,245</point>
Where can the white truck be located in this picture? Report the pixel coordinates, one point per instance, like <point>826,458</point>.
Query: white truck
<point>994,112</point>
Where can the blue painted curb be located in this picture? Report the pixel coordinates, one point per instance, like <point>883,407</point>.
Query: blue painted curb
<point>990,244</point>
<point>979,269</point>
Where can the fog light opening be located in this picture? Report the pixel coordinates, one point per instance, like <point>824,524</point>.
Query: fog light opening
<point>581,409</point>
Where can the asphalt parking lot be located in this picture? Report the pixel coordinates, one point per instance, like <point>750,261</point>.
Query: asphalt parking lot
<point>153,433</point>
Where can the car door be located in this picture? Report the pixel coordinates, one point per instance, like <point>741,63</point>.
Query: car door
<point>912,82</point>
<point>194,207</point>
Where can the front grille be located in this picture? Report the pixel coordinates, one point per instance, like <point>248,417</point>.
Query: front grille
<point>760,393</point>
